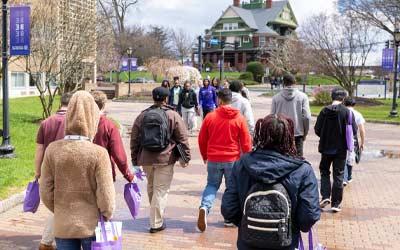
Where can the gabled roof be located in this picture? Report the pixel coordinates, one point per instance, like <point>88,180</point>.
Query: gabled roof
<point>259,18</point>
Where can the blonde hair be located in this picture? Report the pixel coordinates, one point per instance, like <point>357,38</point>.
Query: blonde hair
<point>100,98</point>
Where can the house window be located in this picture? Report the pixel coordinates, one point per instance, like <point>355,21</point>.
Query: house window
<point>246,39</point>
<point>231,26</point>
<point>262,41</point>
<point>18,80</point>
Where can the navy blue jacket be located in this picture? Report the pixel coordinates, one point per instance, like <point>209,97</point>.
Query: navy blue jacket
<point>269,167</point>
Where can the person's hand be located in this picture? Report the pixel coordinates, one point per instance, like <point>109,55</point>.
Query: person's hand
<point>362,147</point>
<point>37,176</point>
<point>205,162</point>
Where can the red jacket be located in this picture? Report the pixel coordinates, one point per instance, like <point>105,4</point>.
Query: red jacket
<point>224,135</point>
<point>108,137</point>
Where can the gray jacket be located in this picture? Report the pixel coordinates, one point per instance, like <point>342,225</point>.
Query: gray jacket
<point>294,104</point>
<point>241,103</point>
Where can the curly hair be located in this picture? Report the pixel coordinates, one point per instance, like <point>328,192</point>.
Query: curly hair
<point>100,98</point>
<point>275,132</point>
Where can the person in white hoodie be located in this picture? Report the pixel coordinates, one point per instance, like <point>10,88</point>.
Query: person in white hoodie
<point>294,104</point>
<point>243,104</point>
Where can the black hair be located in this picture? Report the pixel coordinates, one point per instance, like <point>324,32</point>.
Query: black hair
<point>289,80</point>
<point>165,84</point>
<point>225,95</point>
<point>349,101</point>
<point>65,98</point>
<point>338,94</point>
<point>236,86</point>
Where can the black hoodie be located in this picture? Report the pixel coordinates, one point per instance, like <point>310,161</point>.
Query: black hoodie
<point>331,129</point>
<point>270,167</point>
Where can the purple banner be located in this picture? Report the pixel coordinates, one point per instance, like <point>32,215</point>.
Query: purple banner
<point>125,64</point>
<point>20,32</point>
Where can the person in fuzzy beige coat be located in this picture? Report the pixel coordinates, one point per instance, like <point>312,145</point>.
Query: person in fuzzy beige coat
<point>76,182</point>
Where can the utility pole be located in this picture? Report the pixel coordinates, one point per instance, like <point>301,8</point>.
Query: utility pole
<point>222,61</point>
<point>6,149</point>
<point>393,112</point>
<point>200,52</point>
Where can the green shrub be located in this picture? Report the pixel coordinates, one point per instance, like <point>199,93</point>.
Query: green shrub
<point>257,69</point>
<point>246,76</point>
<point>322,96</point>
<point>208,65</point>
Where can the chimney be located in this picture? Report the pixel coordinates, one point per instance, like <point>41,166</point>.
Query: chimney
<point>236,3</point>
<point>268,4</point>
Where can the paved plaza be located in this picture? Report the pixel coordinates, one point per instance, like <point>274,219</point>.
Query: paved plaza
<point>370,218</point>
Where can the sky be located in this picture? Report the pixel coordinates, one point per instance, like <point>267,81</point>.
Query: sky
<point>195,16</point>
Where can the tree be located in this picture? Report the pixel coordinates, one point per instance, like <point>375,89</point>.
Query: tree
<point>183,43</point>
<point>62,49</point>
<point>338,46</point>
<point>160,66</point>
<point>161,36</point>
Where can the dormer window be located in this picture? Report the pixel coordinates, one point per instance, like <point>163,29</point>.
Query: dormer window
<point>231,26</point>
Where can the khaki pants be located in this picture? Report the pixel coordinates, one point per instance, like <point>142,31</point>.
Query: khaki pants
<point>48,232</point>
<point>159,180</point>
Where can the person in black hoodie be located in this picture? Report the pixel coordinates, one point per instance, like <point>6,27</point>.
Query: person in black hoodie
<point>273,161</point>
<point>188,105</point>
<point>331,130</point>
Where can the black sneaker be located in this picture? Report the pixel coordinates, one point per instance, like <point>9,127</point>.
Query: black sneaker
<point>324,203</point>
<point>228,223</point>
<point>345,183</point>
<point>156,230</point>
<point>336,208</point>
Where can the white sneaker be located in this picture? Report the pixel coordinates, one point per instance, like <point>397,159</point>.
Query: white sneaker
<point>324,203</point>
<point>202,220</point>
<point>336,208</point>
<point>345,183</point>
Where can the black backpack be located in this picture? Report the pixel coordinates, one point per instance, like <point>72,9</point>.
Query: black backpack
<point>155,134</point>
<point>266,221</point>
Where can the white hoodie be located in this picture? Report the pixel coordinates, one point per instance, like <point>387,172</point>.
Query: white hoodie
<point>241,103</point>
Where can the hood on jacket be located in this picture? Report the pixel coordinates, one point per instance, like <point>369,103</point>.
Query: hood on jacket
<point>228,112</point>
<point>289,93</point>
<point>82,116</point>
<point>236,97</point>
<point>332,111</point>
<point>269,166</point>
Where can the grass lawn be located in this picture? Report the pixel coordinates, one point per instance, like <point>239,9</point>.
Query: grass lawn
<point>24,122</point>
<point>370,113</point>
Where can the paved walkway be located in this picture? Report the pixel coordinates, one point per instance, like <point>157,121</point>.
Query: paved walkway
<point>370,218</point>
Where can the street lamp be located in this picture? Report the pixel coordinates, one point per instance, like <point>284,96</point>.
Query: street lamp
<point>6,149</point>
<point>396,36</point>
<point>129,52</point>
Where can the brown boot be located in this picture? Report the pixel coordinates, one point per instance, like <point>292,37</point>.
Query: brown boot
<point>46,247</point>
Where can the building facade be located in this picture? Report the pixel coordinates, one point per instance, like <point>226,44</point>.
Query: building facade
<point>20,83</point>
<point>257,26</point>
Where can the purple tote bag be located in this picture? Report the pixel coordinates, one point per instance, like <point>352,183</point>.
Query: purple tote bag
<point>349,132</point>
<point>311,242</point>
<point>107,245</point>
<point>32,197</point>
<point>133,198</point>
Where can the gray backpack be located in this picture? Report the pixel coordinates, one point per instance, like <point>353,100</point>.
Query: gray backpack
<point>155,134</point>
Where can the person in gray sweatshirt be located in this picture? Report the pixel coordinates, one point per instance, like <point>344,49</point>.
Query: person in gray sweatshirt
<point>294,104</point>
<point>243,104</point>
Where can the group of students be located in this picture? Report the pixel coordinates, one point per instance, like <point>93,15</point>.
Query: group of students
<point>271,190</point>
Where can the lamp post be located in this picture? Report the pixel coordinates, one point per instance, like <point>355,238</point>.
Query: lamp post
<point>129,52</point>
<point>6,149</point>
<point>393,112</point>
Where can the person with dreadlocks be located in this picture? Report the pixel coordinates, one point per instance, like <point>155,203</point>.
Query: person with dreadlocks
<point>272,194</point>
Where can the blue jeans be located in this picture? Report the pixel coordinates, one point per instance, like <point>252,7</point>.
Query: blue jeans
<point>75,244</point>
<point>215,172</point>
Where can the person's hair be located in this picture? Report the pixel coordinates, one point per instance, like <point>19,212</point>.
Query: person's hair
<point>208,80</point>
<point>338,94</point>
<point>275,132</point>
<point>215,82</point>
<point>65,98</point>
<point>187,82</point>
<point>235,86</point>
<point>349,101</point>
<point>289,80</point>
<point>165,84</point>
<point>225,95</point>
<point>100,98</point>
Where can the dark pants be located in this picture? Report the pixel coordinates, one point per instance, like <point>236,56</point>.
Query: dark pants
<point>299,145</point>
<point>335,192</point>
<point>75,244</point>
<point>206,111</point>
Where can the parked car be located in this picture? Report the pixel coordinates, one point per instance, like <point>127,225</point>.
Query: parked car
<point>142,68</point>
<point>142,80</point>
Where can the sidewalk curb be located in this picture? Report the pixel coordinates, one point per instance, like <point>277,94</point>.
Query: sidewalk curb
<point>11,202</point>
<point>373,121</point>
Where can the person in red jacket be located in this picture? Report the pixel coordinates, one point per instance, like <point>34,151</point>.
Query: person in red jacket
<point>223,138</point>
<point>109,137</point>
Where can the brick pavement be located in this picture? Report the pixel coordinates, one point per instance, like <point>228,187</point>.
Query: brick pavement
<point>370,218</point>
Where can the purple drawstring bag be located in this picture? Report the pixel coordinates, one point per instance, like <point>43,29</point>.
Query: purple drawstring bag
<point>318,246</point>
<point>32,197</point>
<point>133,198</point>
<point>107,245</point>
<point>349,132</point>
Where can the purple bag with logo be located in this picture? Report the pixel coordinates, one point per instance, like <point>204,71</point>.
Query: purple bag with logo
<point>133,198</point>
<point>107,245</point>
<point>349,132</point>
<point>32,197</point>
<point>318,246</point>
